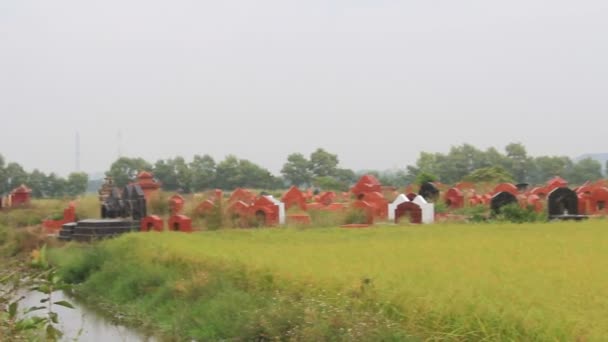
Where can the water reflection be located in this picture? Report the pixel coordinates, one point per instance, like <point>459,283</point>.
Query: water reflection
<point>84,324</point>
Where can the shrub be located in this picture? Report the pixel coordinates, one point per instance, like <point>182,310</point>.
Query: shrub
<point>355,216</point>
<point>78,265</point>
<point>516,214</point>
<point>215,219</point>
<point>20,240</point>
<point>476,213</point>
<point>441,207</point>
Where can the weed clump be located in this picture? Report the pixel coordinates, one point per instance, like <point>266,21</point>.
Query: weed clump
<point>516,214</point>
<point>355,216</point>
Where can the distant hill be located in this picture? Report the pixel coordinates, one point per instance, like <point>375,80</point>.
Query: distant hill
<point>600,157</point>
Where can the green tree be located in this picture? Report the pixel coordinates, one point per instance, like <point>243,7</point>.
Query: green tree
<point>233,172</point>
<point>166,174</point>
<point>184,175</point>
<point>14,175</point>
<point>346,176</point>
<point>585,170</point>
<point>297,170</point>
<point>398,178</point>
<point>253,175</point>
<point>492,157</point>
<point>227,173</point>
<point>124,170</point>
<point>330,183</point>
<point>37,182</point>
<point>323,163</point>
<point>494,174</point>
<point>426,163</point>
<point>425,177</point>
<point>202,172</point>
<point>518,161</point>
<point>76,183</point>
<point>174,174</point>
<point>546,167</point>
<point>55,186</point>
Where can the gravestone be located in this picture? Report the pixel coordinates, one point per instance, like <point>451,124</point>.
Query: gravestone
<point>500,200</point>
<point>562,202</point>
<point>429,191</point>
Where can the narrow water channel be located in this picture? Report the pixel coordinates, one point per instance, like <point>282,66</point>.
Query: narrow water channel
<point>85,324</point>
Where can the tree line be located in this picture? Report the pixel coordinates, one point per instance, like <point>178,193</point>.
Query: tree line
<point>321,169</point>
<point>43,186</point>
<point>466,162</point>
<point>203,172</point>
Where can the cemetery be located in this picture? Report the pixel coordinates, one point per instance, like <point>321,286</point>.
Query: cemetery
<point>368,201</point>
<point>308,233</point>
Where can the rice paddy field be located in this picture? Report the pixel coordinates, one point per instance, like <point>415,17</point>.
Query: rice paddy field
<point>543,281</point>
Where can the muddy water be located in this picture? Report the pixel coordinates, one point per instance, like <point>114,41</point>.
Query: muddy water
<point>85,324</point>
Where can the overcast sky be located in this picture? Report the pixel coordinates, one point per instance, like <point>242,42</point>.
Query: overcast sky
<point>375,81</point>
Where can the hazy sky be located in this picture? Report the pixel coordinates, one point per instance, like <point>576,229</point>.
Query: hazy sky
<point>374,81</point>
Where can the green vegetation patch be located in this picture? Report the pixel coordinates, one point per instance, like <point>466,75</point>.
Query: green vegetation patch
<point>208,298</point>
<point>532,282</point>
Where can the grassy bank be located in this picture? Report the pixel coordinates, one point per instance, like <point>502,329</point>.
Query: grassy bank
<point>455,282</point>
<point>215,299</point>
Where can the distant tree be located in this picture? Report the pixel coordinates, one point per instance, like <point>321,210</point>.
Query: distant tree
<point>164,171</point>
<point>227,175</point>
<point>519,163</point>
<point>492,157</point>
<point>15,175</point>
<point>37,182</point>
<point>76,183</point>
<point>346,176</point>
<point>426,163</point>
<point>585,170</point>
<point>255,176</point>
<point>460,161</point>
<point>184,175</point>
<point>55,186</point>
<point>451,167</point>
<point>174,174</point>
<point>330,183</point>
<point>202,172</point>
<point>124,170</point>
<point>397,178</point>
<point>323,163</point>
<point>546,167</point>
<point>495,174</point>
<point>463,160</point>
<point>297,170</point>
<point>232,173</point>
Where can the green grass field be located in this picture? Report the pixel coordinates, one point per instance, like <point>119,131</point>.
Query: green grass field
<point>440,282</point>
